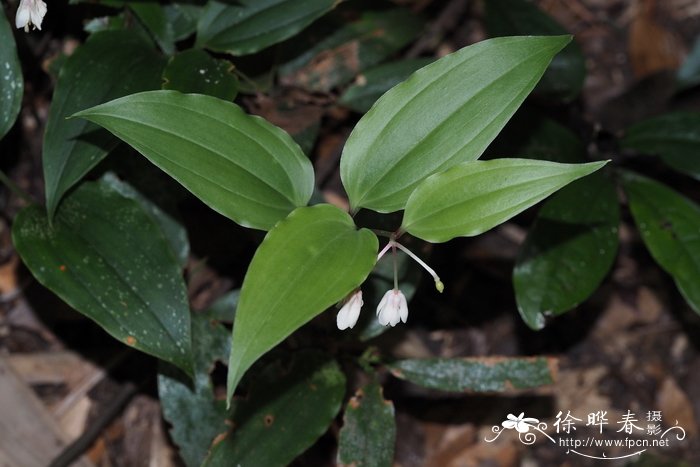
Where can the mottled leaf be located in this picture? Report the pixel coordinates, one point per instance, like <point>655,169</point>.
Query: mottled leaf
<point>675,137</point>
<point>240,165</point>
<point>11,82</point>
<point>108,259</point>
<point>195,71</point>
<point>568,251</point>
<point>369,430</point>
<point>71,146</point>
<point>446,113</point>
<point>476,196</point>
<point>308,262</point>
<point>670,227</point>
<point>493,374</point>
<point>289,405</point>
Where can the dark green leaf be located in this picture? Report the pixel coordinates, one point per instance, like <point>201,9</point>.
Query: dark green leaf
<point>11,82</point>
<point>476,196</point>
<point>565,75</point>
<point>370,85</point>
<point>369,430</point>
<point>173,231</point>
<point>308,262</point>
<point>183,19</point>
<point>446,113</point>
<point>289,405</point>
<point>674,137</point>
<point>252,25</point>
<point>351,49</point>
<point>153,17</point>
<point>670,225</point>
<point>568,251</point>
<point>492,374</point>
<point>73,147</point>
<point>195,71</point>
<point>108,259</point>
<point>240,165</point>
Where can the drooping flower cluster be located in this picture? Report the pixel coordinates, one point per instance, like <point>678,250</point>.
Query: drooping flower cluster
<point>30,13</point>
<point>393,306</point>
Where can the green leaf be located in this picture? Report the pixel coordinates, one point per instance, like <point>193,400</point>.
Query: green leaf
<point>308,262</point>
<point>183,18</point>
<point>370,85</point>
<point>108,259</point>
<point>153,17</point>
<point>444,114</point>
<point>252,25</point>
<point>240,165</point>
<point>675,137</point>
<point>669,224</point>
<point>290,404</point>
<point>351,49</point>
<point>175,234</point>
<point>568,251</point>
<point>11,82</point>
<point>194,413</point>
<point>564,77</point>
<point>476,196</point>
<point>478,374</point>
<point>369,430</point>
<point>73,147</point>
<point>195,71</point>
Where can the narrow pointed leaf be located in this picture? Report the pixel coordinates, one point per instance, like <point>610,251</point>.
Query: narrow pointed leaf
<point>674,137</point>
<point>444,114</point>
<point>290,404</point>
<point>247,26</point>
<point>493,374</point>
<point>476,196</point>
<point>369,429</point>
<point>568,251</point>
<point>564,77</point>
<point>240,165</point>
<point>11,82</point>
<point>670,227</point>
<point>71,146</point>
<point>308,262</point>
<point>108,259</point>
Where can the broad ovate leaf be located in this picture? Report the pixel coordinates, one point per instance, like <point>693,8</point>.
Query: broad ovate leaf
<point>109,259</point>
<point>446,113</point>
<point>476,196</point>
<point>569,249</point>
<point>11,83</point>
<point>110,64</point>
<point>670,227</point>
<point>240,165</point>
<point>247,26</point>
<point>308,262</point>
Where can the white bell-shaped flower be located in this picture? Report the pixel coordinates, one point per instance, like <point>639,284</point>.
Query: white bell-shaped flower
<point>348,314</point>
<point>392,308</point>
<point>30,13</point>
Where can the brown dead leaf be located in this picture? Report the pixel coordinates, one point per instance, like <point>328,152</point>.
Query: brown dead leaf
<point>652,46</point>
<point>675,406</point>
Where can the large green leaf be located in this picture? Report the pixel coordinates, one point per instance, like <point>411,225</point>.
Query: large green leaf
<point>195,71</point>
<point>674,137</point>
<point>476,196</point>
<point>248,26</point>
<point>564,77</point>
<point>11,83</point>
<point>670,225</point>
<point>290,404</point>
<point>73,147</point>
<point>351,48</point>
<point>308,262</point>
<point>195,414</point>
<point>369,429</point>
<point>108,259</point>
<point>492,374</point>
<point>240,165</point>
<point>568,251</point>
<point>444,114</point>
<point>370,85</point>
